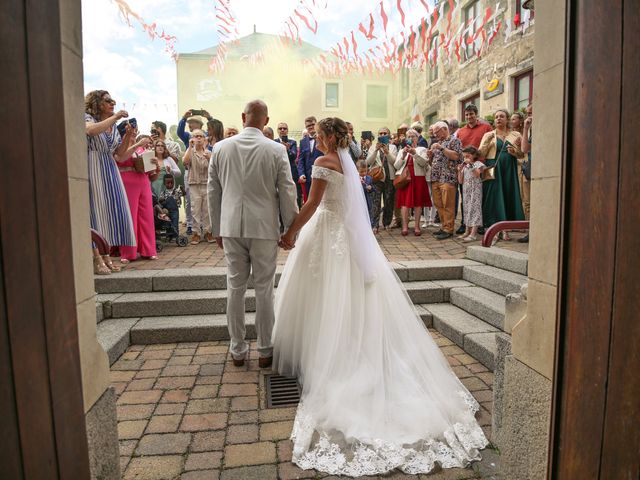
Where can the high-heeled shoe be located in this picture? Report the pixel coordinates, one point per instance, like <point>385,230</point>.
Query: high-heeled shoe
<point>417,233</point>
<point>99,267</point>
<point>405,233</point>
<point>109,264</point>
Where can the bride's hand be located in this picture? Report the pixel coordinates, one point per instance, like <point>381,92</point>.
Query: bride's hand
<point>287,241</point>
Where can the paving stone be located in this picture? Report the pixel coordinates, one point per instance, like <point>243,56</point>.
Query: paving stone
<point>212,350</point>
<point>135,412</point>
<point>139,397</point>
<point>129,429</point>
<point>153,364</point>
<point>166,467</point>
<point>237,418</point>
<point>263,472</point>
<point>170,409</point>
<point>201,475</point>
<point>127,365</point>
<point>276,430</point>
<point>175,382</point>
<point>236,390</point>
<point>240,377</point>
<point>211,369</point>
<point>289,471</point>
<point>163,423</point>
<point>147,374</point>
<point>206,421</point>
<point>141,384</point>
<point>162,444</point>
<point>249,454</point>
<point>203,461</point>
<point>164,346</point>
<point>156,354</point>
<point>127,447</point>
<point>175,396</point>
<point>473,384</point>
<point>207,405</point>
<point>285,450</point>
<point>204,391</point>
<point>207,441</point>
<point>180,370</point>
<point>206,359</point>
<point>483,395</point>
<point>180,360</point>
<point>209,380</point>
<point>119,376</point>
<point>242,434</point>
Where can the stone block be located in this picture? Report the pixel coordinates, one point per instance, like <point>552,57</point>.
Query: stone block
<point>424,292</point>
<point>102,437</point>
<point>516,262</point>
<point>163,444</point>
<point>455,323</point>
<point>483,347</point>
<point>127,281</point>
<point>447,285</point>
<point>524,434</point>
<point>203,461</point>
<point>187,328</point>
<point>99,312</point>
<point>422,270</point>
<point>193,302</point>
<point>425,315</point>
<point>250,454</point>
<point>262,472</point>
<point>113,336</point>
<point>495,279</point>
<point>180,279</point>
<point>208,441</point>
<point>503,343</point>
<point>154,468</point>
<point>482,303</point>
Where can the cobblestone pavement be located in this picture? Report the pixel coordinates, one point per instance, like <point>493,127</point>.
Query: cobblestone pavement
<point>185,412</point>
<point>395,246</point>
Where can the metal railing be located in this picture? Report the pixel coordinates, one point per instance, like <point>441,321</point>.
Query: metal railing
<point>498,227</point>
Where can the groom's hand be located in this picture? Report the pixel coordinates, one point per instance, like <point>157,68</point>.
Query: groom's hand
<point>219,242</point>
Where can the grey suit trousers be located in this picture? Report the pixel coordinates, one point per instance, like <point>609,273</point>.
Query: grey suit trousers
<point>245,256</point>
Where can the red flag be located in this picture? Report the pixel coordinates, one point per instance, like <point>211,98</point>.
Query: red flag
<point>363,30</point>
<point>314,29</point>
<point>495,32</point>
<point>292,22</point>
<point>399,2</point>
<point>355,44</point>
<point>426,6</point>
<point>370,35</point>
<point>412,43</point>
<point>385,19</point>
<point>346,45</point>
<point>516,20</point>
<point>423,33</point>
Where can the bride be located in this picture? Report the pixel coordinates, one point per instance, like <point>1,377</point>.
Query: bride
<point>377,393</point>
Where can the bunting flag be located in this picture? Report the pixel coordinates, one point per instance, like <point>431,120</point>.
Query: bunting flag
<point>151,29</point>
<point>354,44</point>
<point>384,17</point>
<point>306,21</point>
<point>399,4</point>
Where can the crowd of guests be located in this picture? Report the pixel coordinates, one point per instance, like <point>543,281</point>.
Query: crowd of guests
<point>480,169</point>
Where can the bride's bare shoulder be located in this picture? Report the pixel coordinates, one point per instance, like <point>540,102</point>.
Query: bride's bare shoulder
<point>332,162</point>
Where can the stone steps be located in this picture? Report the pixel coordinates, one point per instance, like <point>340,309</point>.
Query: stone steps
<point>480,302</point>
<point>495,279</point>
<point>114,336</point>
<point>474,336</point>
<point>509,260</point>
<point>214,278</point>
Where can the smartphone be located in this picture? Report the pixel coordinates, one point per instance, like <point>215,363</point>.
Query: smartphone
<point>384,139</point>
<point>197,112</point>
<point>367,135</point>
<point>284,139</point>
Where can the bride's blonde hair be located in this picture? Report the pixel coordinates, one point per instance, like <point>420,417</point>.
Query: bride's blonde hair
<point>335,126</point>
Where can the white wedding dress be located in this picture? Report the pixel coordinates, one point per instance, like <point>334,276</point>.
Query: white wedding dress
<point>377,392</point>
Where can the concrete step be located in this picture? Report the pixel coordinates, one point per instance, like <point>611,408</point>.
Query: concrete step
<point>480,302</point>
<point>211,302</point>
<point>114,336</point>
<point>467,331</point>
<point>193,328</point>
<point>495,279</point>
<point>214,278</point>
<point>515,262</point>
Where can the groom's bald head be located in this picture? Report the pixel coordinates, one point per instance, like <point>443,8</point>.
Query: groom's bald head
<point>256,114</point>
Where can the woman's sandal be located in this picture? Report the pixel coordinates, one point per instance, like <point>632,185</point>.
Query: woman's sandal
<point>99,267</point>
<point>109,264</point>
<point>405,233</point>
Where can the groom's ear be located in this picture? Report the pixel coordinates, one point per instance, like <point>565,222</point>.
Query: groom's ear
<point>244,118</point>
<point>266,122</point>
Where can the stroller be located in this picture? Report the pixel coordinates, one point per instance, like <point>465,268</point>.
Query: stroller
<point>165,231</point>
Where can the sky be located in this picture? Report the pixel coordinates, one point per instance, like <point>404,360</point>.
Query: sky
<point>141,75</point>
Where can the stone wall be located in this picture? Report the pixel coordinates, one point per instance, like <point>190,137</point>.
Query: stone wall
<point>100,412</point>
<point>511,54</point>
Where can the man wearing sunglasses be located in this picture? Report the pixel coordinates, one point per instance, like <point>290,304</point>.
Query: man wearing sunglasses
<point>292,153</point>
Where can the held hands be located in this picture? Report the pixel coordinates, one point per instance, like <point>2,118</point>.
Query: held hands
<point>287,241</point>
<point>302,179</point>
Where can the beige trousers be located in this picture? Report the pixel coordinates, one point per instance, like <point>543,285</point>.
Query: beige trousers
<point>200,208</point>
<point>444,198</point>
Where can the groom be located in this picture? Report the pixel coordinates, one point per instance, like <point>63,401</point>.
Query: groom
<point>250,188</point>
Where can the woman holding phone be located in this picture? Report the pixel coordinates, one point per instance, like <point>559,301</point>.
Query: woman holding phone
<point>501,196</point>
<point>416,194</point>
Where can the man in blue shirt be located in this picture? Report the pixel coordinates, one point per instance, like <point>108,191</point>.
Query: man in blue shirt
<point>308,153</point>
<point>292,153</point>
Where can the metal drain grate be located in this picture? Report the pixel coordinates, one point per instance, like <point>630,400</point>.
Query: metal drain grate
<point>282,391</point>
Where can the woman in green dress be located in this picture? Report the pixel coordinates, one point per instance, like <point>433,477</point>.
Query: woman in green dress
<point>501,197</point>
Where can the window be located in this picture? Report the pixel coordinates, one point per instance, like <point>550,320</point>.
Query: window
<point>523,90</point>
<point>521,12</point>
<point>404,83</point>
<point>331,95</point>
<point>377,101</point>
<point>475,99</point>
<point>433,57</point>
<point>471,22</point>
<point>430,119</point>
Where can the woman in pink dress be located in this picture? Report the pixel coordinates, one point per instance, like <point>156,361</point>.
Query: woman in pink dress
<point>416,194</point>
<point>137,184</point>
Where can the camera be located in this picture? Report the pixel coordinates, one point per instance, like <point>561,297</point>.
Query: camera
<point>197,112</point>
<point>154,132</point>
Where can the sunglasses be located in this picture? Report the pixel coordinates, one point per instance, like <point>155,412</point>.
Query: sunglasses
<point>110,101</point>
<point>199,136</point>
<point>283,128</point>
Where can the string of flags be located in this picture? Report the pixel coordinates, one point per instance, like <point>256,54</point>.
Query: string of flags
<point>150,28</point>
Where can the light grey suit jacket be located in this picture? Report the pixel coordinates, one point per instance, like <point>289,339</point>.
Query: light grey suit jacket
<point>250,187</point>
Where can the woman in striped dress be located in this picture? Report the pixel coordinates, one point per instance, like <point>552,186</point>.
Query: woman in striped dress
<point>109,208</point>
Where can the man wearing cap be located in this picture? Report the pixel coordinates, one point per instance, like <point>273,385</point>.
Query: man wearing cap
<point>194,123</point>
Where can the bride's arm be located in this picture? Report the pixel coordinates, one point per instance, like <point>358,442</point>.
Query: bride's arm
<point>306,212</point>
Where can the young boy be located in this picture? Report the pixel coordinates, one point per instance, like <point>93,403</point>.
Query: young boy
<point>171,199</point>
<point>367,185</point>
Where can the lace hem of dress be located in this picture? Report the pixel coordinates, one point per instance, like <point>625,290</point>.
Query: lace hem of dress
<point>460,446</point>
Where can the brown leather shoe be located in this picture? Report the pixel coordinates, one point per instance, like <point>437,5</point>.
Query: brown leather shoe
<point>265,362</point>
<point>238,362</point>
